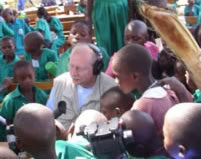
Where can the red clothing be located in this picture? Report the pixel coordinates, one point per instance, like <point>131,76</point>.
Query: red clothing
<point>156,102</point>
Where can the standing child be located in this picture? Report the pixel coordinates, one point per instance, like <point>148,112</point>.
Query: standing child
<point>55,26</point>
<point>19,27</point>
<point>43,27</point>
<point>25,92</point>
<point>38,55</point>
<point>7,61</point>
<point>110,18</point>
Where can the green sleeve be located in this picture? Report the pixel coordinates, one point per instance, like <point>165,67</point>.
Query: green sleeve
<point>40,26</point>
<point>7,30</point>
<point>56,24</point>
<point>53,56</point>
<point>7,109</point>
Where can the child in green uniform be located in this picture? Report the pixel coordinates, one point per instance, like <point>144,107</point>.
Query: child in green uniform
<point>79,32</point>
<point>25,92</point>
<point>38,55</point>
<point>55,26</point>
<point>43,27</point>
<point>19,27</point>
<point>5,30</point>
<point>82,7</point>
<point>7,61</point>
<point>110,18</point>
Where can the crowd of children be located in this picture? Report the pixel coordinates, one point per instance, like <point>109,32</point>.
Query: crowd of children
<point>124,74</point>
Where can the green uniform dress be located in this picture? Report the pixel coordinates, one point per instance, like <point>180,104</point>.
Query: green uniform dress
<point>63,62</point>
<point>57,27</point>
<point>6,70</point>
<point>5,30</point>
<point>67,150</point>
<point>14,101</point>
<point>39,65</point>
<point>43,27</point>
<point>110,18</point>
<point>20,29</point>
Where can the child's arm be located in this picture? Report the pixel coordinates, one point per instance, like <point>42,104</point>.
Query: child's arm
<point>89,13</point>
<point>7,30</point>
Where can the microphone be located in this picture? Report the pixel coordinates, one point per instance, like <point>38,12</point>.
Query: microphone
<point>61,109</point>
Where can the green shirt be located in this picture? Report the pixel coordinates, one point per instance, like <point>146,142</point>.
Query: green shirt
<point>6,69</point>
<point>57,27</point>
<point>5,30</point>
<point>15,100</point>
<point>197,96</point>
<point>67,150</point>
<point>81,9</point>
<point>43,27</point>
<point>63,62</point>
<point>39,65</point>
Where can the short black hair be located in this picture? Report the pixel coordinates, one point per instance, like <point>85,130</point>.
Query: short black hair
<point>82,22</point>
<point>42,12</point>
<point>8,38</point>
<point>22,64</point>
<point>125,100</point>
<point>134,58</point>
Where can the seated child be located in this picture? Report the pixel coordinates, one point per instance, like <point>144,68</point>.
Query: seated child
<point>55,26</point>
<point>38,55</point>
<point>132,67</point>
<point>79,32</point>
<point>147,143</point>
<point>43,27</point>
<point>19,27</point>
<point>136,32</point>
<point>26,92</point>
<point>182,131</point>
<point>7,61</point>
<point>191,9</point>
<point>114,102</point>
<point>82,7</point>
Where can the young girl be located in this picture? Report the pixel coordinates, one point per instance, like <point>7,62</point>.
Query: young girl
<point>38,55</point>
<point>56,26</point>
<point>110,18</point>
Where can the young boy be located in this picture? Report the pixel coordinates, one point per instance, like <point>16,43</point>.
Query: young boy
<point>7,61</point>
<point>182,131</point>
<point>147,143</point>
<point>55,26</point>
<point>38,55</point>
<point>136,32</point>
<point>25,92</point>
<point>114,102</point>
<point>43,27</point>
<point>79,32</point>
<point>19,27</point>
<point>132,67</point>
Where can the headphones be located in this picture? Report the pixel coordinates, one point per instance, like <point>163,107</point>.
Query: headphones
<point>99,64</point>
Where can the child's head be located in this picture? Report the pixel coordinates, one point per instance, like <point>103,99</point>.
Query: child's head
<point>191,2</point>
<point>181,130</point>
<point>80,32</point>
<point>6,153</point>
<point>8,15</point>
<point>144,132</point>
<point>136,32</point>
<point>24,74</point>
<point>132,65</point>
<point>42,12</point>
<point>35,130</point>
<point>114,102</point>
<point>33,42</point>
<point>8,46</point>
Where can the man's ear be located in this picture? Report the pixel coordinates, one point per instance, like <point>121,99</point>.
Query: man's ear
<point>182,151</point>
